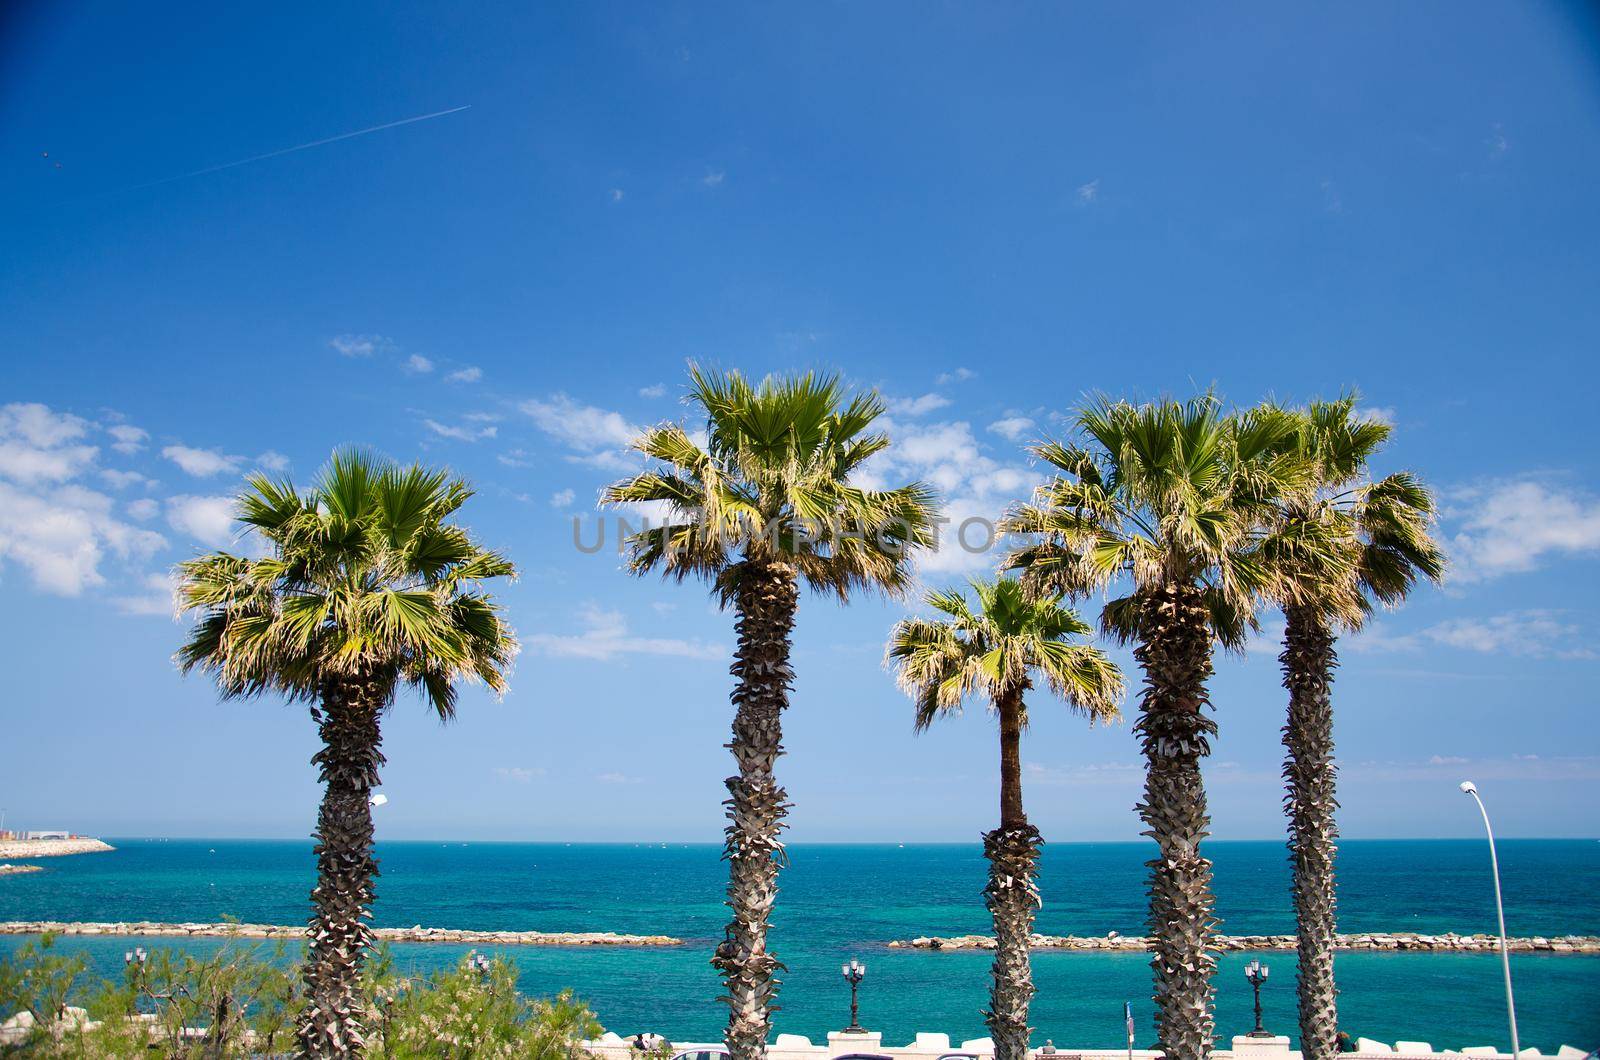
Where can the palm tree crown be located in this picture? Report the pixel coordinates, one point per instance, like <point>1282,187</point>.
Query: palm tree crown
<point>771,482</point>
<point>995,651</point>
<point>366,575</point>
<point>1171,494</point>
<point>1340,541</point>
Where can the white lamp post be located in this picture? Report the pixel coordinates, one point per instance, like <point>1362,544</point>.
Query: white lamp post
<point>1469,788</point>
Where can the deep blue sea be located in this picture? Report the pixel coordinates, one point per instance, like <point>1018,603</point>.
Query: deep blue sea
<point>846,901</point>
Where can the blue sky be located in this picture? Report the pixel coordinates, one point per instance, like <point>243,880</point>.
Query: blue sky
<point>986,212</point>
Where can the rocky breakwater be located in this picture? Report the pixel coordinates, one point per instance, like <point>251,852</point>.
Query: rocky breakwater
<point>17,870</point>
<point>1410,941</point>
<point>51,848</point>
<point>418,933</point>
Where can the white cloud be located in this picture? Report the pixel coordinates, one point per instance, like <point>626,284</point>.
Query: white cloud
<point>1510,527</point>
<point>129,439</point>
<point>517,774</point>
<point>158,597</point>
<point>1452,768</point>
<point>201,463</point>
<point>562,498</point>
<point>417,364</point>
<point>39,425</point>
<point>208,520</point>
<point>1332,201</point>
<point>1012,427</point>
<point>60,536</point>
<point>460,434</point>
<point>144,508</point>
<point>1093,774</point>
<point>617,778</point>
<point>658,390</point>
<point>273,461</point>
<point>30,464</point>
<point>959,375</point>
<point>617,194</point>
<point>470,374</point>
<point>1497,142</point>
<point>119,480</point>
<point>598,437</point>
<point>1088,193</point>
<point>1534,633</point>
<point>917,406</point>
<point>360,345</point>
<point>714,178</point>
<point>606,637</point>
<point>1384,414</point>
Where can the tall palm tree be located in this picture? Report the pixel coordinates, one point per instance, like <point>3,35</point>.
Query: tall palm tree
<point>1167,498</point>
<point>1341,543</point>
<point>765,504</point>
<point>367,585</point>
<point>995,651</point>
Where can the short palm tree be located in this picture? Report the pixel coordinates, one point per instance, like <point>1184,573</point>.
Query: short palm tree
<point>996,651</point>
<point>1167,499</point>
<point>1340,544</point>
<point>367,585</point>
<point>765,504</point>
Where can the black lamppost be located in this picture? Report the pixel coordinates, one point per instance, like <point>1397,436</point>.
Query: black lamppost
<point>1256,972</point>
<point>853,973</point>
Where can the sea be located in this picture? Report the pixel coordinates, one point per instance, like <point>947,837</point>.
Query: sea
<point>842,901</point>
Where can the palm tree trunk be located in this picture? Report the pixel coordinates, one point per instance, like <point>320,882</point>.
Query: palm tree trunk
<point>765,599</point>
<point>337,938</point>
<point>1175,652</point>
<point>1012,895</point>
<point>1308,663</point>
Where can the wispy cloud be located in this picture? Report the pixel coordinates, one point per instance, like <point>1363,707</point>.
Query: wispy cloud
<point>1514,526</point>
<point>1089,193</point>
<point>655,391</point>
<point>1013,427</point>
<point>606,636</point>
<point>1533,633</point>
<point>360,345</point>
<point>562,498</point>
<point>157,597</point>
<point>470,374</point>
<point>517,774</point>
<point>597,437</point>
<point>1384,414</point>
<point>617,195</point>
<point>618,778</point>
<point>714,178</point>
<point>958,375</point>
<point>1332,201</point>
<point>126,438</point>
<point>209,520</point>
<point>917,406</point>
<point>201,463</point>
<point>417,364</point>
<point>460,434</point>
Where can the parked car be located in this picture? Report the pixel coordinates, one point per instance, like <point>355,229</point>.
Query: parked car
<point>714,1052</point>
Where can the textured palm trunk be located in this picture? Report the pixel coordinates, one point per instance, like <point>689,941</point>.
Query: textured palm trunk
<point>337,938</point>
<point>765,600</point>
<point>1175,652</point>
<point>1311,776</point>
<point>1012,895</point>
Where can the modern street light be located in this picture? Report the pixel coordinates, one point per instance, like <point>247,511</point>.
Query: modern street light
<point>1256,972</point>
<point>853,973</point>
<point>1469,788</point>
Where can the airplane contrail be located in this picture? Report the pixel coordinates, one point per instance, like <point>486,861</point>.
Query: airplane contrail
<point>300,147</point>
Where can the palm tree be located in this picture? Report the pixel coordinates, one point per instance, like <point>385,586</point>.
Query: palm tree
<point>1169,498</point>
<point>765,504</point>
<point>367,585</point>
<point>1341,543</point>
<point>996,651</point>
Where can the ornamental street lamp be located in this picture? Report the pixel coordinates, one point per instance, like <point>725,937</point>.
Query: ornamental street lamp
<point>478,963</point>
<point>1256,972</point>
<point>853,973</point>
<point>1469,788</point>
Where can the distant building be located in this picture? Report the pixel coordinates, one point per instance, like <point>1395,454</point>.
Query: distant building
<point>7,835</point>
<point>47,835</point>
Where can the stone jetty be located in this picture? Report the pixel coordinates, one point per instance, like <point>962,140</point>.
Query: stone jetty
<point>51,848</point>
<point>281,931</point>
<point>1410,941</point>
<point>17,870</point>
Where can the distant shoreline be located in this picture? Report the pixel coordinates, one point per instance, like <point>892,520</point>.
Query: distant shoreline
<point>1383,941</point>
<point>51,848</point>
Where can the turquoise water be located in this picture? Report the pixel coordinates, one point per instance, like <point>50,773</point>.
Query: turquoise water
<point>843,901</point>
